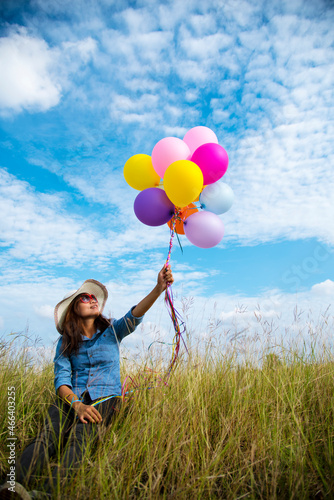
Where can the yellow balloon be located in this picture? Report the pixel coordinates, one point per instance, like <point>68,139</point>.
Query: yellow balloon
<point>139,172</point>
<point>183,182</point>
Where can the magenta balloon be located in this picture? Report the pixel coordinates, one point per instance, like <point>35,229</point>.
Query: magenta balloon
<point>197,136</point>
<point>212,159</point>
<point>204,229</point>
<point>153,207</point>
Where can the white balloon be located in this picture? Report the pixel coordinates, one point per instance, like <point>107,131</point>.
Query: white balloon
<point>217,198</point>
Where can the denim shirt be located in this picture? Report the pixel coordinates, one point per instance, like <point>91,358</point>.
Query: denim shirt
<point>96,367</point>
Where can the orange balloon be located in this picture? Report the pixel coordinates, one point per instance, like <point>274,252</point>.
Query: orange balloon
<point>184,213</point>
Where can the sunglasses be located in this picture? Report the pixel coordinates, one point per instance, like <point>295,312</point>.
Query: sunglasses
<point>86,298</point>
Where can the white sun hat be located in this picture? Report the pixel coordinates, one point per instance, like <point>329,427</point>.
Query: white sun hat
<point>92,287</point>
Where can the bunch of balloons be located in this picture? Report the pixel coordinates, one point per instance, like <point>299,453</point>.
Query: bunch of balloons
<point>176,178</point>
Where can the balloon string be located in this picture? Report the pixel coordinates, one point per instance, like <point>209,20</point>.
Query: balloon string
<point>179,242</point>
<point>175,316</point>
<point>172,232</point>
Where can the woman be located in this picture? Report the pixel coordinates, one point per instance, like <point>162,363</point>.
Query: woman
<point>87,381</point>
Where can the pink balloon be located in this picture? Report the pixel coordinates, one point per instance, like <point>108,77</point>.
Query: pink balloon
<point>197,136</point>
<point>167,151</point>
<point>212,159</point>
<point>204,229</point>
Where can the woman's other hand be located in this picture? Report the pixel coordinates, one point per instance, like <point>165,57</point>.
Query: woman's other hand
<point>87,413</point>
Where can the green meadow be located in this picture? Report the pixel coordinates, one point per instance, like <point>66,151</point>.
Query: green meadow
<point>219,427</point>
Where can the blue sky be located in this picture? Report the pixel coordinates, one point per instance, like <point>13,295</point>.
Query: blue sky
<point>85,85</point>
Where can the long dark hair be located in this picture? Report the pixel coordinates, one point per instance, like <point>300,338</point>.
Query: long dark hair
<point>73,329</point>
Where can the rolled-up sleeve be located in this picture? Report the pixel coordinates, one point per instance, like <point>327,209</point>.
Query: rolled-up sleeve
<point>62,368</point>
<point>126,325</point>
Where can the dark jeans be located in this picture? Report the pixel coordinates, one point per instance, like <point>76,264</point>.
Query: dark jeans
<point>62,431</point>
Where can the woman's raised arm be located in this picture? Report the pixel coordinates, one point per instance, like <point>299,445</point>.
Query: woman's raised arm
<point>165,278</point>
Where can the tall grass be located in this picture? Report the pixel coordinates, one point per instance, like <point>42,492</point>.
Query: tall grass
<point>218,429</point>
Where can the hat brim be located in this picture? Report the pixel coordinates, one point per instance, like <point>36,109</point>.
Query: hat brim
<point>92,287</point>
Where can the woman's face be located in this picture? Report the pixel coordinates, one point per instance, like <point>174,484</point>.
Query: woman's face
<point>89,309</point>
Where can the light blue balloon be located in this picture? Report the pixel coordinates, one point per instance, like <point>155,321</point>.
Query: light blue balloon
<point>217,198</point>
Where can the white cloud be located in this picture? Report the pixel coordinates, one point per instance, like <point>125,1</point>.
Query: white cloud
<point>137,20</point>
<point>205,47</point>
<point>192,95</point>
<point>191,71</point>
<point>139,110</point>
<point>324,289</point>
<point>174,131</point>
<point>203,24</point>
<point>45,311</point>
<point>26,66</point>
<point>35,227</point>
<point>85,49</point>
<point>35,75</point>
<point>135,52</point>
<point>144,84</point>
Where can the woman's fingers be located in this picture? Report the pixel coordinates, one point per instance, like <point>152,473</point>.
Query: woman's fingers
<point>93,414</point>
<point>89,414</point>
<point>97,414</point>
<point>169,275</point>
<point>165,277</point>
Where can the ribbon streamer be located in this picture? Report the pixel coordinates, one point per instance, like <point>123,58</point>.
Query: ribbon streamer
<point>176,318</point>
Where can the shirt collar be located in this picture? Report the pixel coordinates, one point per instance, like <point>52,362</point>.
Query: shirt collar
<point>83,337</point>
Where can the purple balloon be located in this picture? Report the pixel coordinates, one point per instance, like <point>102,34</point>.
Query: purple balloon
<point>204,229</point>
<point>153,207</point>
<point>212,159</point>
